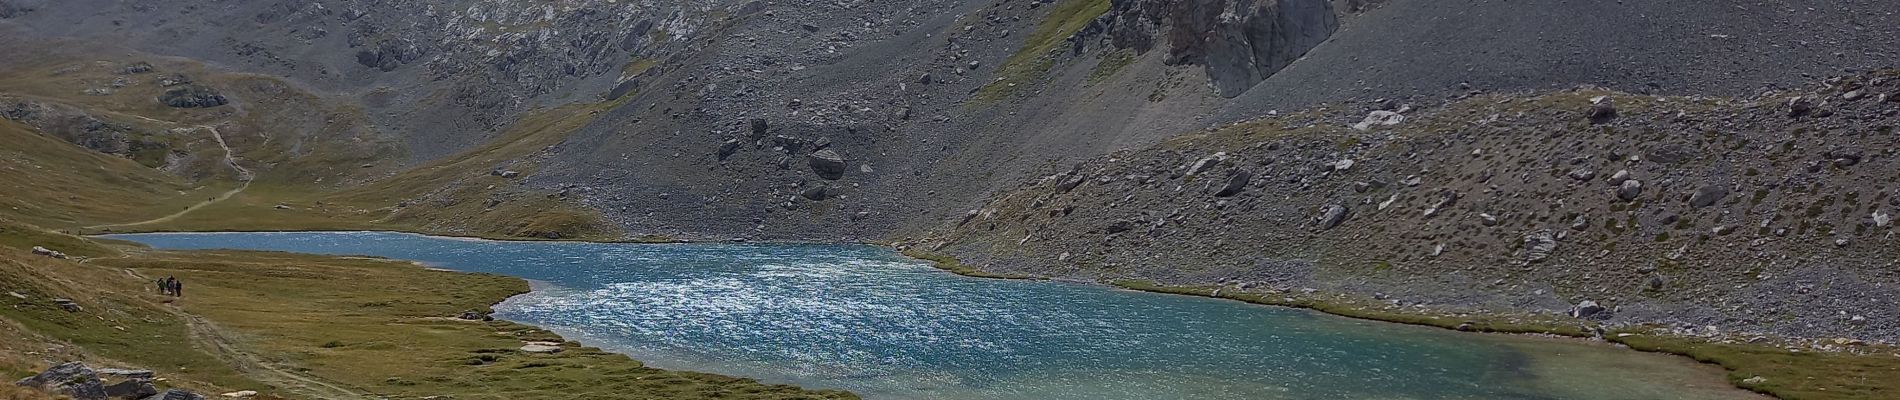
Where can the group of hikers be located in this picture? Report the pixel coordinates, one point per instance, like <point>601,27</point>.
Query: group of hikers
<point>171,287</point>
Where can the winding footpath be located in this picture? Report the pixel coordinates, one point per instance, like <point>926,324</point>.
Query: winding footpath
<point>230,159</point>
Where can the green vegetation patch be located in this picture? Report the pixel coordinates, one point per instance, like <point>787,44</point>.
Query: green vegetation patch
<point>1786,374</point>
<point>1033,61</point>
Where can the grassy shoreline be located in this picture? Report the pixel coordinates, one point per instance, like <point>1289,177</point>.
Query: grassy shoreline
<point>1781,373</point>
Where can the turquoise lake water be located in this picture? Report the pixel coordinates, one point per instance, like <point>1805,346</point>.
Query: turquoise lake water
<point>868,320</point>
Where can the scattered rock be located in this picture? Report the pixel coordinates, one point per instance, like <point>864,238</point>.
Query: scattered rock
<point>1342,165</point>
<point>241,394</point>
<point>1487,219</point>
<point>1754,380</point>
<point>827,164</point>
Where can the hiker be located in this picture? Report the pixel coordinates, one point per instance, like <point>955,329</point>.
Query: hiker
<point>162,287</point>
<point>178,289</point>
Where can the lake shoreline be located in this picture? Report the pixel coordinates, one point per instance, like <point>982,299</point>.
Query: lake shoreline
<point>1695,348</point>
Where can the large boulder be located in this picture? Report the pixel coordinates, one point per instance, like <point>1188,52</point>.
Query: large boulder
<point>192,96</point>
<point>1538,245</point>
<point>816,193</point>
<point>45,252</point>
<point>727,149</point>
<point>1235,184</point>
<point>1602,109</point>
<point>1331,216</point>
<point>1378,119</point>
<point>1629,190</point>
<point>1589,309</point>
<point>71,379</point>
<point>827,164</point>
<point>131,389</point>
<point>1708,195</point>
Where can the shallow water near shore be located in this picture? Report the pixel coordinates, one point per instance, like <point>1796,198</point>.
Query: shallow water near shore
<point>865,319</point>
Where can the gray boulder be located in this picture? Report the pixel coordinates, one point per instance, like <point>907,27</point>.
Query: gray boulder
<point>1235,184</point>
<point>1207,163</point>
<point>1333,215</point>
<point>127,373</point>
<point>1708,196</point>
<point>1070,183</point>
<point>1629,190</point>
<point>45,252</point>
<point>827,164</point>
<point>1619,177</point>
<point>1538,246</point>
<point>1589,309</point>
<point>1583,174</point>
<point>816,193</point>
<point>192,96</point>
<point>1602,109</point>
<point>72,379</point>
<point>728,148</point>
<point>131,389</point>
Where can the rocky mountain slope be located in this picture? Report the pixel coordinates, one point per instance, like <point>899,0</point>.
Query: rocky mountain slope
<point>856,120</point>
<point>1733,180</point>
<point>718,108</point>
<point>1765,215</point>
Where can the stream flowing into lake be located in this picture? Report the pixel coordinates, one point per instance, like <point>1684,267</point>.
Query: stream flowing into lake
<point>867,320</point>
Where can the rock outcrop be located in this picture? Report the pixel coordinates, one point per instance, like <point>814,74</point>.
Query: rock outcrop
<point>192,96</point>
<point>1239,42</point>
